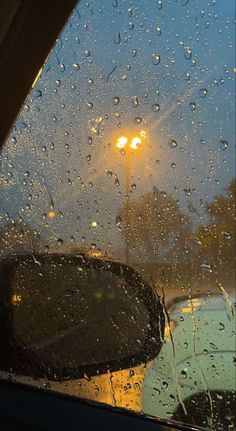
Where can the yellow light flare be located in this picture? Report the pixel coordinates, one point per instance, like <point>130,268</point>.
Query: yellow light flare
<point>121,142</point>
<point>16,299</point>
<point>37,77</point>
<point>51,214</point>
<point>135,142</point>
<point>94,224</point>
<point>169,329</point>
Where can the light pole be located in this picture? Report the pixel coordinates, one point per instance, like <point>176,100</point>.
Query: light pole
<point>128,146</point>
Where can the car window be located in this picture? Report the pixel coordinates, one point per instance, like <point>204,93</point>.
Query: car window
<point>125,151</point>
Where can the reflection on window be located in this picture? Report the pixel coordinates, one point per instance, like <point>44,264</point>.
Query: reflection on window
<point>124,150</point>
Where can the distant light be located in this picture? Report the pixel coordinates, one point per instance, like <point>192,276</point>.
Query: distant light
<point>15,299</point>
<point>121,142</point>
<point>51,214</point>
<point>94,224</point>
<point>135,142</point>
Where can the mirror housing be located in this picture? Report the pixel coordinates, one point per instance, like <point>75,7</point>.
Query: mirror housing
<point>65,317</point>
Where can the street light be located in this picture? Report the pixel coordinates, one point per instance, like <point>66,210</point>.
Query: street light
<point>129,144</point>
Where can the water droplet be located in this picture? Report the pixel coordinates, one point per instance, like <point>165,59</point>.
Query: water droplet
<point>206,267</point>
<point>159,4</point>
<point>163,194</point>
<point>118,221</point>
<point>188,53</point>
<point>90,81</point>
<point>192,106</point>
<point>158,162</point>
<point>88,157</point>
<point>227,236</point>
<point>60,241</point>
<point>76,66</point>
<point>158,31</point>
<point>156,107</point>
<point>117,182</point>
<point>133,186</point>
<point>138,120</point>
<point>62,67</point>
<point>134,52</point>
<point>173,165</point>
<point>187,76</point>
<point>184,373</point>
<point>134,102</point>
<point>172,143</point>
<point>156,59</point>
<point>90,140</point>
<point>197,240</point>
<point>213,346</point>
<point>223,144</point>
<point>221,326</point>
<point>109,174</point>
<point>58,82</point>
<point>188,191</point>
<point>165,385</point>
<point>87,53</point>
<point>38,94</point>
<point>202,141</point>
<point>155,192</point>
<point>89,105</point>
<point>203,92</point>
<point>116,100</point>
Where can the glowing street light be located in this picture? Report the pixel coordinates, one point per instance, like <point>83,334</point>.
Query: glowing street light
<point>121,142</point>
<point>129,144</point>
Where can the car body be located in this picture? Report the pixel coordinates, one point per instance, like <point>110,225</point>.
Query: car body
<point>189,367</point>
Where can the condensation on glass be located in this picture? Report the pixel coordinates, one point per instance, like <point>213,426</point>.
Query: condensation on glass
<point>124,150</point>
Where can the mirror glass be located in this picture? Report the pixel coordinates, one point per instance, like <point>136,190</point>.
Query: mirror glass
<point>73,314</point>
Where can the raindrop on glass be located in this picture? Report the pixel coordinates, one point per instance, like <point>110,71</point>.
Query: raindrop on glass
<point>203,92</point>
<point>206,267</point>
<point>118,221</point>
<point>224,144</point>
<point>89,105</point>
<point>134,102</point>
<point>155,107</point>
<point>116,100</point>
<point>156,59</point>
<point>76,66</point>
<point>192,106</point>
<point>188,53</point>
<point>227,236</point>
<point>172,143</point>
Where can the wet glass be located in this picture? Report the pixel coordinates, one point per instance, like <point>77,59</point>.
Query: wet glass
<point>125,149</point>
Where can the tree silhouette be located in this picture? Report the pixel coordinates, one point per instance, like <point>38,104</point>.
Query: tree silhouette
<point>217,238</point>
<point>155,229</point>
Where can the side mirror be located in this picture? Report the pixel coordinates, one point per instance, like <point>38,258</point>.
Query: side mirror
<point>65,316</point>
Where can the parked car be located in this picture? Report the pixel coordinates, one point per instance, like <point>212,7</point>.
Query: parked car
<point>193,378</point>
